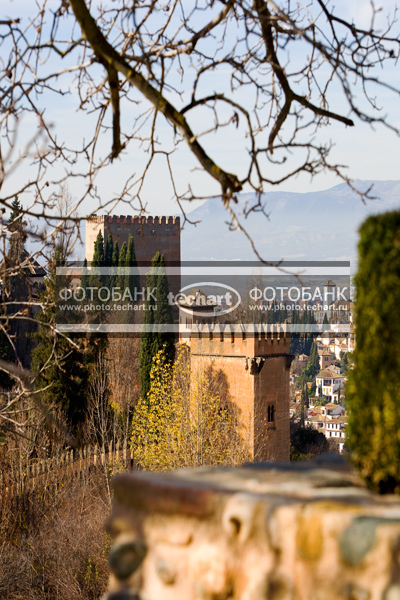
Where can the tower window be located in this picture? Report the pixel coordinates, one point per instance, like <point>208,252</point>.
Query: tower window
<point>271,414</point>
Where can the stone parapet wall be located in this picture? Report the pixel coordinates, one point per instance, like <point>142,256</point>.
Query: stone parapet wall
<point>304,531</point>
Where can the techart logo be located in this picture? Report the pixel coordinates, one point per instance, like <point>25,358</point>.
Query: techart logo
<point>206,299</point>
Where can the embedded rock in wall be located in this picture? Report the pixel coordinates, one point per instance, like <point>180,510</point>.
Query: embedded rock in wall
<point>304,531</point>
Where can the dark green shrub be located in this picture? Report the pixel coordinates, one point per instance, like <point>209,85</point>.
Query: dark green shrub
<point>307,443</point>
<point>373,390</point>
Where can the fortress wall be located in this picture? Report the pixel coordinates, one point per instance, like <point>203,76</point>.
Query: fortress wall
<point>150,234</point>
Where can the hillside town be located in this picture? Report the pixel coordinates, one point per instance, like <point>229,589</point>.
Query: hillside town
<point>321,404</point>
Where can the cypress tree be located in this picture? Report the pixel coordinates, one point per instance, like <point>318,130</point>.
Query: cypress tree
<point>85,275</point>
<point>157,312</point>
<point>108,251</point>
<point>95,280</point>
<point>132,281</point>
<point>115,255</point>
<point>114,263</point>
<point>98,254</point>
<point>309,338</point>
<point>17,287</point>
<point>295,337</point>
<point>97,342</point>
<point>373,388</point>
<point>146,348</point>
<point>313,366</point>
<point>163,314</point>
<point>84,281</point>
<point>304,403</point>
<point>122,262</point>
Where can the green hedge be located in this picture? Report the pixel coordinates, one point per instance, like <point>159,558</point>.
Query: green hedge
<point>373,390</point>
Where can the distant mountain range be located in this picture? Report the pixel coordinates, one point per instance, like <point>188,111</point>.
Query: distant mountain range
<point>300,226</point>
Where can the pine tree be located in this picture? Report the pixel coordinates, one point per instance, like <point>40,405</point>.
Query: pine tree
<point>61,365</point>
<point>6,354</point>
<point>16,209</point>
<point>16,287</point>
<point>17,253</point>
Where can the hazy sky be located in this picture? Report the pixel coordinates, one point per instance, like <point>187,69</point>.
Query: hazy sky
<point>369,153</point>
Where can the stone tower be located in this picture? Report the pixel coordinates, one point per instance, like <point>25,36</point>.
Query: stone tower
<point>150,234</point>
<point>255,368</point>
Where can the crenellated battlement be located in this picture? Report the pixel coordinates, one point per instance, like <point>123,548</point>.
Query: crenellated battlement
<point>135,220</point>
<point>236,339</point>
<point>96,218</point>
<point>260,332</point>
<point>151,234</point>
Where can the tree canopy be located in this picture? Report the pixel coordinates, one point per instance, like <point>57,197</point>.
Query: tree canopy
<point>61,369</point>
<point>184,421</point>
<point>16,209</point>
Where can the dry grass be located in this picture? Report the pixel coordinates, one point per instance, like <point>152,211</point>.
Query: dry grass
<point>64,555</point>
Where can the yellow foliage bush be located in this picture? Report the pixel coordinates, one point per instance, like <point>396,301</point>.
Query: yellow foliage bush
<point>184,422</point>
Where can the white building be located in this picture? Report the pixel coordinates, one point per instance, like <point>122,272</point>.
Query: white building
<point>331,422</point>
<point>332,410</point>
<point>328,385</point>
<point>335,430</point>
